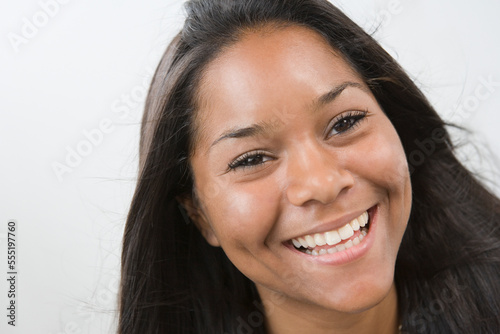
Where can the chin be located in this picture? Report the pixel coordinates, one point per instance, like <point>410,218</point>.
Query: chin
<point>365,299</point>
<point>356,296</point>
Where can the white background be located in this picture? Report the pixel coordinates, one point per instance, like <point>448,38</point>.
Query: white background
<point>91,61</point>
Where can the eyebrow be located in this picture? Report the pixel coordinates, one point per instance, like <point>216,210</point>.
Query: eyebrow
<point>334,93</point>
<point>263,127</point>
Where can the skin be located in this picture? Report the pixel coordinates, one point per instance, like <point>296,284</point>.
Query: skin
<point>312,170</point>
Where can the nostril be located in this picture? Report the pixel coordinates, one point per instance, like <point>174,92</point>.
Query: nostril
<point>319,189</point>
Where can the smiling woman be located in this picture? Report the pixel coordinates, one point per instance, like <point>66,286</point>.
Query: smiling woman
<point>311,177</point>
<point>283,132</point>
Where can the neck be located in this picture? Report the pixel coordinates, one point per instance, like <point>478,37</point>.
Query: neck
<point>289,317</point>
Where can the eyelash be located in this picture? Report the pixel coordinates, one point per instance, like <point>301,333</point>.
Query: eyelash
<point>352,116</point>
<point>240,162</point>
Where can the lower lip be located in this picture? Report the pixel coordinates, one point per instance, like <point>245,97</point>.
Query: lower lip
<point>349,255</point>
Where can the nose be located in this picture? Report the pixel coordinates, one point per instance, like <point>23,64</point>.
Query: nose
<point>315,173</point>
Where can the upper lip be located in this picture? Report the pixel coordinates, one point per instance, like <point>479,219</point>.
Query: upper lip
<point>331,224</point>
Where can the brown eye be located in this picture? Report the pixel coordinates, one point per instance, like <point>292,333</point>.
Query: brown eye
<point>344,124</point>
<point>347,122</point>
<point>252,160</point>
<point>249,160</point>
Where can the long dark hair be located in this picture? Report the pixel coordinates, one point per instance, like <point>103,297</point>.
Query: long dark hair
<point>173,281</point>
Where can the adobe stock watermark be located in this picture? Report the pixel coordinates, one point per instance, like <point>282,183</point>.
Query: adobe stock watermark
<point>486,88</point>
<point>266,308</point>
<point>102,303</point>
<point>461,112</point>
<point>74,156</point>
<point>123,108</point>
<point>420,318</point>
<point>426,147</point>
<point>384,16</point>
<point>31,25</point>
<point>471,103</point>
<point>128,102</point>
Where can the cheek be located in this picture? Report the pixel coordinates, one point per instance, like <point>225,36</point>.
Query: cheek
<point>242,214</point>
<point>385,169</point>
<point>392,166</point>
<point>381,161</point>
<point>380,165</point>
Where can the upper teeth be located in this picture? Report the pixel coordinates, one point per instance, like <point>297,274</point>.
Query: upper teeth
<point>332,237</point>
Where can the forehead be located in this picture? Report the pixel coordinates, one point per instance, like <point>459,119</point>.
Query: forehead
<point>260,73</point>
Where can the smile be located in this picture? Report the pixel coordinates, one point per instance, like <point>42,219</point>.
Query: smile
<point>338,240</point>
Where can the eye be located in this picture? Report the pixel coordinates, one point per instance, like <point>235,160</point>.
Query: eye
<point>346,122</point>
<point>248,160</point>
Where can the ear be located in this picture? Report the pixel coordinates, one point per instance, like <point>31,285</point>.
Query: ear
<point>197,216</point>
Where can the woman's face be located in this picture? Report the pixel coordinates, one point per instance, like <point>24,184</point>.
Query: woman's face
<point>292,147</point>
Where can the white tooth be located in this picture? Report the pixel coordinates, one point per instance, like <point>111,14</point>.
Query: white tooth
<point>361,236</point>
<point>332,238</point>
<point>364,233</point>
<point>308,251</point>
<point>319,239</point>
<point>340,248</point>
<point>310,241</point>
<point>322,251</point>
<point>346,232</point>
<point>363,219</point>
<point>355,224</point>
<point>315,252</point>
<point>303,242</point>
<point>355,241</point>
<point>348,244</point>
<point>332,250</point>
<point>296,243</point>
